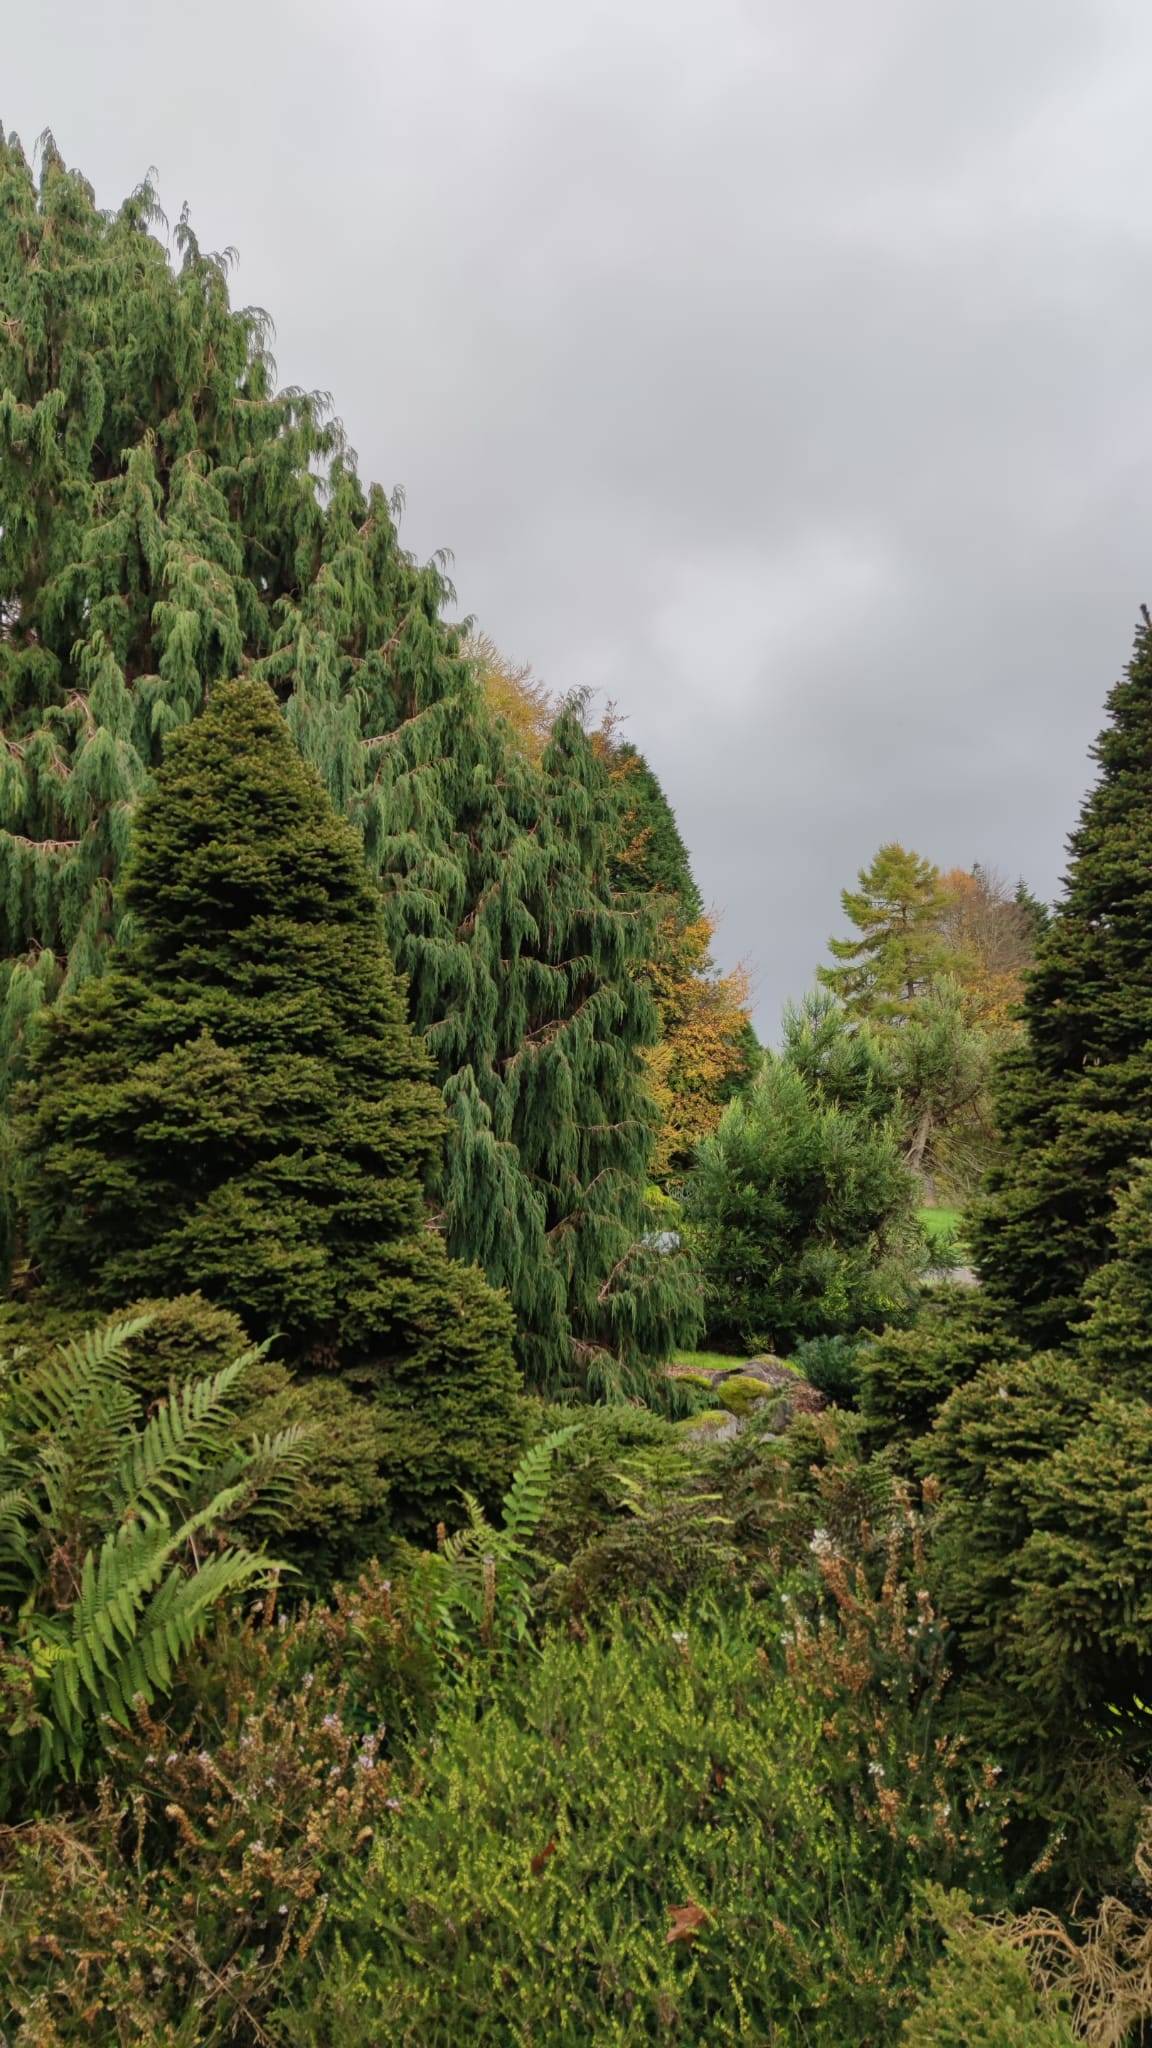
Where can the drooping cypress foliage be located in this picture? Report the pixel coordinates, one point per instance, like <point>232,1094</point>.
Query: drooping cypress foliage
<point>651,857</point>
<point>239,1105</point>
<point>525,974</point>
<point>170,517</point>
<point>1076,1100</point>
<point>708,1049</point>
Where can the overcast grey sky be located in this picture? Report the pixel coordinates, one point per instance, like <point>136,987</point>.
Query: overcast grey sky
<point>780,368</point>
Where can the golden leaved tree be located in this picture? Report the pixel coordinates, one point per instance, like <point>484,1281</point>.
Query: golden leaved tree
<point>708,1048</point>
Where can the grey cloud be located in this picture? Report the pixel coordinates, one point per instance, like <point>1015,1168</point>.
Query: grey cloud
<point>779,369</point>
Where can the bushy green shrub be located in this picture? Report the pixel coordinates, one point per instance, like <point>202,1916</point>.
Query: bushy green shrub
<point>981,1996</point>
<point>802,1216</point>
<point>830,1365</point>
<point>905,1375</point>
<point>651,1837</point>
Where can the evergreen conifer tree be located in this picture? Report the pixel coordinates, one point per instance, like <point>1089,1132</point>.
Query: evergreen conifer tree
<point>803,1215</point>
<point>526,976</point>
<point>170,518</point>
<point>896,909</point>
<point>239,1105</point>
<point>1075,1102</point>
<point>651,857</point>
<point>708,1049</point>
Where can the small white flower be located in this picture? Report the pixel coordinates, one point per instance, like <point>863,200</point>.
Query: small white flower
<point>821,1544</point>
<point>679,1635</point>
<point>281,1909</point>
<point>876,1771</point>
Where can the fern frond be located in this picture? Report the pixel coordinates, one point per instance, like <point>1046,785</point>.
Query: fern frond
<point>269,1470</point>
<point>527,1497</point>
<point>163,1460</point>
<point>50,1398</point>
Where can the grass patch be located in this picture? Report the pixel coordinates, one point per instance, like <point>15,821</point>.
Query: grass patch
<point>710,1361</point>
<point>940,1222</point>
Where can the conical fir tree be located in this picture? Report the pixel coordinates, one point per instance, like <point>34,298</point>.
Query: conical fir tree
<point>1076,1097</point>
<point>239,1105</point>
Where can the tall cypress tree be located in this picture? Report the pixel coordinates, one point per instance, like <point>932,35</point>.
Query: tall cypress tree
<point>1076,1097</point>
<point>170,519</point>
<point>239,1105</point>
<point>526,975</point>
<point>652,858</point>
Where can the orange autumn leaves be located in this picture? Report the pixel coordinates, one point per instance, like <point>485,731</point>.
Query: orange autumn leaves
<point>706,1048</point>
<point>991,937</point>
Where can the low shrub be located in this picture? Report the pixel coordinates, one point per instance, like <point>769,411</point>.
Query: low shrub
<point>830,1365</point>
<point>196,1895</point>
<point>701,1833</point>
<point>981,1996</point>
<point>906,1374</point>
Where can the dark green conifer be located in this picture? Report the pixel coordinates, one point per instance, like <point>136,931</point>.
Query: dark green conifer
<point>239,1105</point>
<point>525,975</point>
<point>651,857</point>
<point>170,518</point>
<point>1076,1098</point>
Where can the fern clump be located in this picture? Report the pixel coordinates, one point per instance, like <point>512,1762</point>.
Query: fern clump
<point>118,1538</point>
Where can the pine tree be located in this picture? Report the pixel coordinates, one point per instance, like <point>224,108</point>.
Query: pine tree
<point>1075,1102</point>
<point>171,518</point>
<point>239,1105</point>
<point>803,1216</point>
<point>896,910</point>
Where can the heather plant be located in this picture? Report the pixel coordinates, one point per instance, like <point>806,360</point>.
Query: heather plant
<point>198,1889</point>
<point>712,1831</point>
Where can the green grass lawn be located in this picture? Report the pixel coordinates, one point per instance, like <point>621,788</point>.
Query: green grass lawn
<point>710,1361</point>
<point>941,1222</point>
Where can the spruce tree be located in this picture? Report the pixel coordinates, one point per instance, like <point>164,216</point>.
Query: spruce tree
<point>1075,1103</point>
<point>239,1105</point>
<point>802,1216</point>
